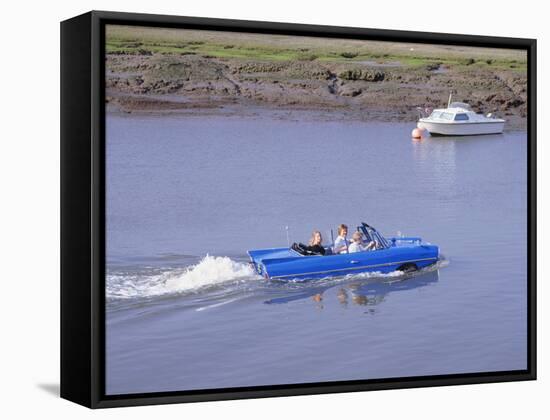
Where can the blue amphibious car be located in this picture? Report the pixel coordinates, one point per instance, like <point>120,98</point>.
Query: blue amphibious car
<point>399,253</point>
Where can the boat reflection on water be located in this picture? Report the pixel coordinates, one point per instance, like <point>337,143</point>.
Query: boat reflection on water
<point>361,292</point>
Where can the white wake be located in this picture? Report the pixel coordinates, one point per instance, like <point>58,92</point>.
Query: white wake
<point>210,271</point>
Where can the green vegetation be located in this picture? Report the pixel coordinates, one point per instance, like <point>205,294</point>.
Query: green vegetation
<point>241,46</point>
<point>359,74</point>
<point>349,54</point>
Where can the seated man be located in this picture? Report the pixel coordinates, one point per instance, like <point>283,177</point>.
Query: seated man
<point>357,244</point>
<point>341,243</point>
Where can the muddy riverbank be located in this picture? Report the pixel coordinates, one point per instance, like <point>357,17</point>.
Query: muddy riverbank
<point>363,81</point>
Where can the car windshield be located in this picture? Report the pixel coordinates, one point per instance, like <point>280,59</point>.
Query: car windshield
<point>371,234</point>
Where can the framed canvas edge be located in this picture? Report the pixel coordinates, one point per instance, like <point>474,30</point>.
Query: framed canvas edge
<point>98,398</point>
<point>309,389</point>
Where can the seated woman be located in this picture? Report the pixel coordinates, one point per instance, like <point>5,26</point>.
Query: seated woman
<point>314,247</point>
<point>315,242</point>
<point>357,244</point>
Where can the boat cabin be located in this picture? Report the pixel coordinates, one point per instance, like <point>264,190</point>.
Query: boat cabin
<point>457,111</point>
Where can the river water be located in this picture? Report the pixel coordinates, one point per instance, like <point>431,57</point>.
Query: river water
<point>187,196</point>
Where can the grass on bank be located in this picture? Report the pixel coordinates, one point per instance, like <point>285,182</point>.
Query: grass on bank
<point>143,41</point>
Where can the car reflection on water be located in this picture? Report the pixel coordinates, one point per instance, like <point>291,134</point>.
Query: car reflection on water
<point>362,292</point>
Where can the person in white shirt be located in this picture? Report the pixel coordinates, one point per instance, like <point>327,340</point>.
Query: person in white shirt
<point>341,243</point>
<point>357,244</point>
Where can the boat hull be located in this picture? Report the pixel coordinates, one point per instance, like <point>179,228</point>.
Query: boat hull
<point>462,129</point>
<point>285,264</point>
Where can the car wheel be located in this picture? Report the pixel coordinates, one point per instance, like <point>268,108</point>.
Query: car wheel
<point>408,268</point>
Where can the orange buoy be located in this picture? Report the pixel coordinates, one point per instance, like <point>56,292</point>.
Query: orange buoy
<point>417,133</point>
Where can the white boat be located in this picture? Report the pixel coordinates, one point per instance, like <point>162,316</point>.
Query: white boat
<point>458,119</point>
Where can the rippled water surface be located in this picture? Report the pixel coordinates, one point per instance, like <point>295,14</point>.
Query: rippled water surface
<point>187,196</point>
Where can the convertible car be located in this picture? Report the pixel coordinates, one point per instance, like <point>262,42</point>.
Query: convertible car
<point>390,254</point>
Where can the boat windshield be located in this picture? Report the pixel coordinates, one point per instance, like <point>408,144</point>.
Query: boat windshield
<point>462,105</point>
<point>461,117</point>
<point>435,114</point>
<point>447,116</point>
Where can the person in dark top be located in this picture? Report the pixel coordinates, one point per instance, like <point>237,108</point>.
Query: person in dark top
<point>315,243</point>
<point>314,246</point>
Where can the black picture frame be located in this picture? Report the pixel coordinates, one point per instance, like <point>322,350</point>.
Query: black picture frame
<point>83,205</point>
